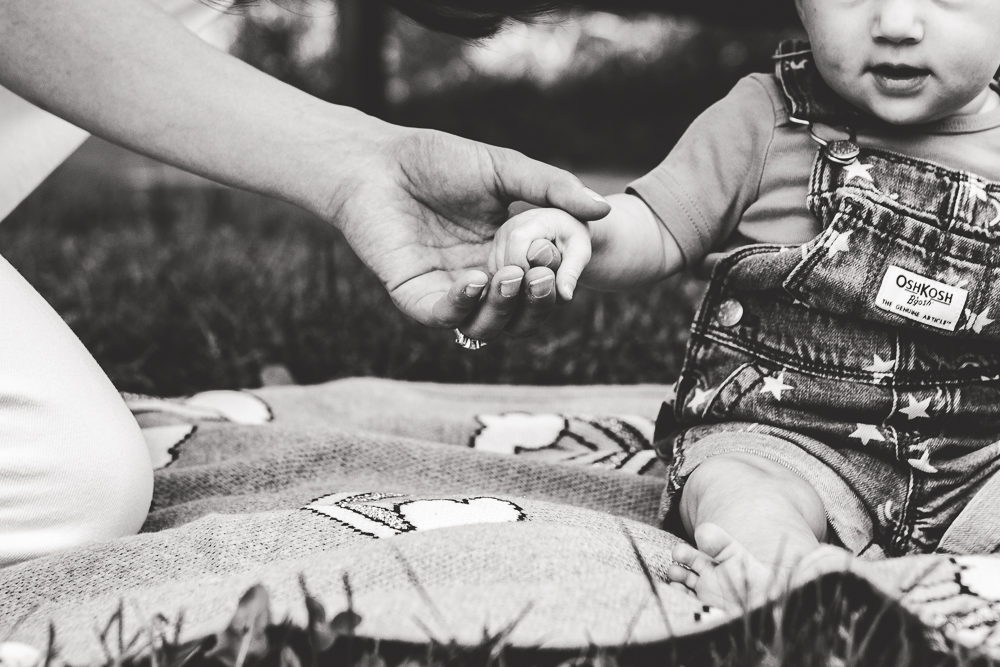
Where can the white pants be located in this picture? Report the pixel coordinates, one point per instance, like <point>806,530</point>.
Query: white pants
<point>74,468</point>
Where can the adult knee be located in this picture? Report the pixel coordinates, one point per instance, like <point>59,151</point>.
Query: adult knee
<point>69,478</point>
<point>73,465</point>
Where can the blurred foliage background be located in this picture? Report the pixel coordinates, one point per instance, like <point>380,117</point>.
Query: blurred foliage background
<point>177,285</point>
<point>587,90</point>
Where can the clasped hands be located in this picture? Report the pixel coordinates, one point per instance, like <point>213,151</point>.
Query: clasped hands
<point>424,216</point>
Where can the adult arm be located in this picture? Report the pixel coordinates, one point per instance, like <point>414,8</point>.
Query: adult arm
<point>34,143</point>
<point>418,207</point>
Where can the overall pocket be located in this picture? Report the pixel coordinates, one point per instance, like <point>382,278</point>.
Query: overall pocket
<point>881,263</point>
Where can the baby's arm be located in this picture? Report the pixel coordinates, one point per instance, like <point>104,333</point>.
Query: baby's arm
<point>630,247</point>
<point>627,248</point>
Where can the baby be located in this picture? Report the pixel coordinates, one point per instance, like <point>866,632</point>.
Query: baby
<point>841,390</point>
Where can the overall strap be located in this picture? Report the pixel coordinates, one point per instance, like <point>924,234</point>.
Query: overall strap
<point>807,97</point>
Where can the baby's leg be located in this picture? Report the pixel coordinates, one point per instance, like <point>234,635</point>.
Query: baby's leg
<point>753,521</point>
<point>74,468</point>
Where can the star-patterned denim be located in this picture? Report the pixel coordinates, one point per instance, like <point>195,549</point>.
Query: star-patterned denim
<point>867,360</point>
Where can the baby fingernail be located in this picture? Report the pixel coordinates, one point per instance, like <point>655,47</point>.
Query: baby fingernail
<point>509,287</point>
<point>542,287</point>
<point>568,291</point>
<point>542,257</point>
<point>596,197</point>
<point>474,290</point>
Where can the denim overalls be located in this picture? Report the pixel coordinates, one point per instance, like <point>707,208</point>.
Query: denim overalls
<point>866,360</point>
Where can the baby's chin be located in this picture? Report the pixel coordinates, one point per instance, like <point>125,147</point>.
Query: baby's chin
<point>904,111</point>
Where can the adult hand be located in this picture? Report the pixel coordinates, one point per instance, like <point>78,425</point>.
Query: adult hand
<point>422,212</point>
<point>419,207</point>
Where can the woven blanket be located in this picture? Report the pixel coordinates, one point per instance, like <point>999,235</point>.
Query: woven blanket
<point>453,510</point>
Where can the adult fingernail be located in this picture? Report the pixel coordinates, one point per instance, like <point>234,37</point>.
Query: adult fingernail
<point>510,287</point>
<point>596,197</point>
<point>542,287</point>
<point>542,257</point>
<point>474,290</point>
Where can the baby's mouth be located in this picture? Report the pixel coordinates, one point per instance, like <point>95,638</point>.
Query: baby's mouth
<point>899,79</point>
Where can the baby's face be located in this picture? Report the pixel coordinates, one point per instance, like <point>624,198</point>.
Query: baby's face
<point>907,61</point>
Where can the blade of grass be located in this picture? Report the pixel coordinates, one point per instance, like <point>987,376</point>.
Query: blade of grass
<point>648,574</point>
<point>424,595</point>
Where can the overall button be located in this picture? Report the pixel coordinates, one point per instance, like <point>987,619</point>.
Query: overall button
<point>730,313</point>
<point>843,152</point>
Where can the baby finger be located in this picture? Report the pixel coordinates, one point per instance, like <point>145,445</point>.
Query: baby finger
<point>543,253</point>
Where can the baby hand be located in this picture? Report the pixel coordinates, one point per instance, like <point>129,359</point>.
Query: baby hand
<point>512,245</point>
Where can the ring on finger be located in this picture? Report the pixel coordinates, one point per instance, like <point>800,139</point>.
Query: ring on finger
<point>468,342</point>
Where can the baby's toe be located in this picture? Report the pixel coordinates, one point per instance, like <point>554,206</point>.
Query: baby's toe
<point>681,575</point>
<point>693,559</point>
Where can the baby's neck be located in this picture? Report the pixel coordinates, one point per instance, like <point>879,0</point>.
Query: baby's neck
<point>985,102</point>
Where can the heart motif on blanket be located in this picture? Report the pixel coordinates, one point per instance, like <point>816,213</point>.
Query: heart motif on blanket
<point>980,576</point>
<point>164,442</point>
<point>614,442</point>
<point>237,407</point>
<point>14,654</point>
<point>432,514</point>
<point>960,597</point>
<point>508,433</point>
<point>167,422</point>
<point>387,514</point>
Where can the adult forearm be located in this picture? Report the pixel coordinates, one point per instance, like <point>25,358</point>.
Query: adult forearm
<point>630,247</point>
<point>126,71</point>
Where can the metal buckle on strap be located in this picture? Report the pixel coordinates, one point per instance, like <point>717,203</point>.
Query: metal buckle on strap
<point>791,54</point>
<point>838,151</point>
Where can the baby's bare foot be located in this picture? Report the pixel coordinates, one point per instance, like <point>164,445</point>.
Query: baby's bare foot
<point>825,559</point>
<point>722,573</point>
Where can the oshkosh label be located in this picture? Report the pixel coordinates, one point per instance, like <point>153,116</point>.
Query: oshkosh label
<point>922,299</point>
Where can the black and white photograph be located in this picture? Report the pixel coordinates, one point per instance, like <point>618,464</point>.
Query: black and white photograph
<point>499,333</point>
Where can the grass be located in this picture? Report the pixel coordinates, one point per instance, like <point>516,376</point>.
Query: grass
<point>180,289</point>
<point>838,621</point>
